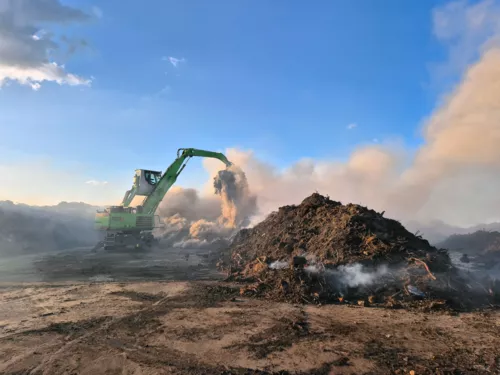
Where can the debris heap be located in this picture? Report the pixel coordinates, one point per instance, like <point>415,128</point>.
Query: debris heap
<point>323,251</point>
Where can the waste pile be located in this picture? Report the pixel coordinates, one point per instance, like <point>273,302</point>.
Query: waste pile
<point>482,245</point>
<point>322,251</point>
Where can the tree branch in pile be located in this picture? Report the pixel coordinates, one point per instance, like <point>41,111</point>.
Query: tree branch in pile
<point>426,267</point>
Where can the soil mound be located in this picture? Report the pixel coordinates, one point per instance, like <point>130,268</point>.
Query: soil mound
<point>322,250</point>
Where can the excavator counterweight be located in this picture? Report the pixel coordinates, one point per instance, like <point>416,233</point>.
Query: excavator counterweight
<point>126,226</point>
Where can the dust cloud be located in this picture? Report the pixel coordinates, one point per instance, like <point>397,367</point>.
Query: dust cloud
<point>238,204</point>
<point>191,220</point>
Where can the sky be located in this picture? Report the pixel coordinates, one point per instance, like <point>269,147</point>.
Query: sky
<point>90,91</point>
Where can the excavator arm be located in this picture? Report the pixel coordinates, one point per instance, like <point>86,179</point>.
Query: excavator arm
<point>168,178</point>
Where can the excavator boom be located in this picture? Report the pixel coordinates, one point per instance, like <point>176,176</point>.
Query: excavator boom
<point>170,176</point>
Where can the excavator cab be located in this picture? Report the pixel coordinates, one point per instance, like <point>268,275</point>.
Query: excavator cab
<point>146,181</point>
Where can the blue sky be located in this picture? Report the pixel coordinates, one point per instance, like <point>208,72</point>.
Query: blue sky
<point>284,78</point>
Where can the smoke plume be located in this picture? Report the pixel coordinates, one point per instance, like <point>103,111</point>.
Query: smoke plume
<point>278,265</point>
<point>346,276</point>
<point>354,275</point>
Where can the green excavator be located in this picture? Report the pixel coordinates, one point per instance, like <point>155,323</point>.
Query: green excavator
<point>126,226</point>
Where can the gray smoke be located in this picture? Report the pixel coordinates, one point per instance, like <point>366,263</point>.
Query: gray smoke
<point>354,275</point>
<point>349,276</point>
<point>31,230</point>
<point>278,265</point>
<point>346,276</point>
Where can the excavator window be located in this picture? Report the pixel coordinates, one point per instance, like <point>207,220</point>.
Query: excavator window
<point>151,177</point>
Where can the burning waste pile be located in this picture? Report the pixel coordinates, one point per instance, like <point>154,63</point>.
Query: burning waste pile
<point>194,221</point>
<point>322,251</point>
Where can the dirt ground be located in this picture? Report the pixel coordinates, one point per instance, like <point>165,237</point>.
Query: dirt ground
<point>205,327</point>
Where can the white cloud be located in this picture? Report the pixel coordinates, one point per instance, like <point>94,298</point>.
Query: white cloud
<point>96,183</point>
<point>352,126</point>
<point>34,76</point>
<point>174,61</point>
<point>27,52</point>
<point>466,29</point>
